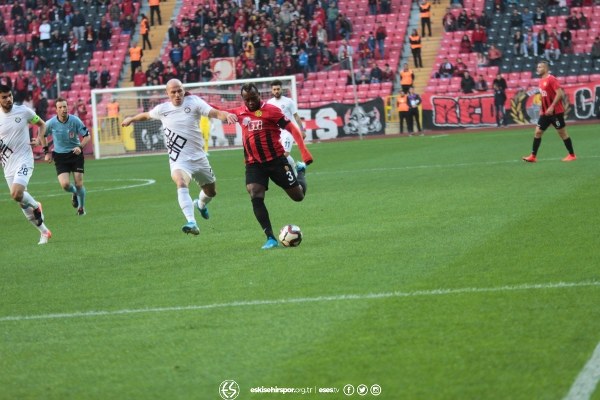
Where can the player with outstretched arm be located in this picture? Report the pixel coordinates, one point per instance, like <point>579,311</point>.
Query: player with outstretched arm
<point>264,155</point>
<point>16,156</point>
<point>180,119</point>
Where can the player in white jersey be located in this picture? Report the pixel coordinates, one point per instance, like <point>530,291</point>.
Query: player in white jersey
<point>180,119</point>
<point>16,156</point>
<point>290,110</point>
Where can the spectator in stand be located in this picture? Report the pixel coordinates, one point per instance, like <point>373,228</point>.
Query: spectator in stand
<point>446,69</point>
<point>539,18</point>
<point>385,6</point>
<point>139,79</point>
<point>449,21</point>
<point>155,10</point>
<point>572,21</point>
<point>380,36</point>
<point>17,10</point>
<point>41,106</point>
<point>48,81</point>
<point>173,33</point>
<point>90,38</point>
<point>376,74</point>
<point>44,31</point>
<point>465,45</point>
<point>460,68</point>
<point>518,43</point>
<point>595,54</point>
<point>345,26</point>
<point>372,7</point>
<point>344,53</point>
<point>362,77</point>
<point>78,25</point>
<point>494,56</point>
<point>93,77</point>
<point>527,16</point>
<point>332,17</point>
<point>82,110</point>
<point>387,74</point>
<point>20,87</point>
<point>71,47</point>
<point>407,78</point>
<point>364,53</point>
<point>127,25</point>
<point>479,39</point>
<point>543,37</point>
<point>552,50</point>
<point>584,23</point>
<point>19,25</point>
<point>425,11</point>
<point>516,21</point>
<point>566,41</point>
<point>530,42</point>
<point>462,22</point>
<point>29,57</point>
<point>105,77</point>
<point>467,83</point>
<point>481,85</point>
<point>105,33</point>
<point>415,47</point>
<point>114,13</point>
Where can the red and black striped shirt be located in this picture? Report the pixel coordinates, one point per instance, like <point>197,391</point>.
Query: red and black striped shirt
<point>260,132</point>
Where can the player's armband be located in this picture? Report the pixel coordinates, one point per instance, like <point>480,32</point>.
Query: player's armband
<point>35,119</point>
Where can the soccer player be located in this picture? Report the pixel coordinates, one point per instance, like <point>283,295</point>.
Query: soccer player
<point>264,155</point>
<point>290,110</point>
<point>65,130</point>
<point>16,156</point>
<point>180,119</point>
<point>552,113</point>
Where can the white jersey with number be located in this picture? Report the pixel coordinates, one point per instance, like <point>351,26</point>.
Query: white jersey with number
<point>15,144</point>
<point>181,128</point>
<point>288,107</point>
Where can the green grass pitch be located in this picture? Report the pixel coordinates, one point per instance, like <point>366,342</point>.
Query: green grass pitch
<point>437,267</point>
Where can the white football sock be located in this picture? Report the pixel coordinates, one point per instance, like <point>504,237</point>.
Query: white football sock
<point>203,199</point>
<point>28,200</point>
<point>186,204</point>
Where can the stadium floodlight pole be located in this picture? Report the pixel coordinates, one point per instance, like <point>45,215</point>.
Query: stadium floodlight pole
<point>218,88</point>
<point>354,90</point>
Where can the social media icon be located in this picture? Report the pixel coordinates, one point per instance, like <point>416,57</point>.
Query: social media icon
<point>375,390</point>
<point>362,390</point>
<point>348,390</point>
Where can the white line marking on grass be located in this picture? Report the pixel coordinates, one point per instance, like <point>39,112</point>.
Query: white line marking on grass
<point>92,182</point>
<point>587,380</point>
<point>299,300</point>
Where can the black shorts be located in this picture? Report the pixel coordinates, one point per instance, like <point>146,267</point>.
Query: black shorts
<point>68,162</point>
<point>278,170</point>
<point>556,120</point>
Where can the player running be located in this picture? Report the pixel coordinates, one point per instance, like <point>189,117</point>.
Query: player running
<point>16,156</point>
<point>290,110</point>
<point>552,113</point>
<point>264,155</point>
<point>65,130</point>
<point>180,119</point>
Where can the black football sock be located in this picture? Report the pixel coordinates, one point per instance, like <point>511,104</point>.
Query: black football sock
<point>536,145</point>
<point>262,216</point>
<point>569,145</point>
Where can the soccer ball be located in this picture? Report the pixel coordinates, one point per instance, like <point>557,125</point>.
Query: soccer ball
<point>290,236</point>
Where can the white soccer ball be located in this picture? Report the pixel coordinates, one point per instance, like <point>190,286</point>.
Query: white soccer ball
<point>290,236</point>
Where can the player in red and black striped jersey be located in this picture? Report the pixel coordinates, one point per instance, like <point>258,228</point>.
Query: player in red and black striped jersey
<point>264,155</point>
<point>552,113</point>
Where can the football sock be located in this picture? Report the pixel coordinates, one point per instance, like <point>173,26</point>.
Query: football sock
<point>302,179</point>
<point>28,212</point>
<point>536,145</point>
<point>28,201</point>
<point>71,189</point>
<point>186,204</point>
<point>203,199</point>
<point>292,163</point>
<point>81,196</point>
<point>569,145</point>
<point>262,216</point>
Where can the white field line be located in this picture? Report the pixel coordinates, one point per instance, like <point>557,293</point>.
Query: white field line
<point>587,380</point>
<point>92,182</point>
<point>300,300</point>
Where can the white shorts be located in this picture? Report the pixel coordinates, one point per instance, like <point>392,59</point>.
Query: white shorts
<point>19,170</point>
<point>287,140</point>
<point>198,170</point>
